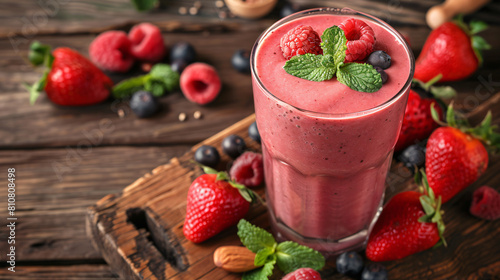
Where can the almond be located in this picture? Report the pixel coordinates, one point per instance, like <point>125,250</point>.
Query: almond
<point>234,258</point>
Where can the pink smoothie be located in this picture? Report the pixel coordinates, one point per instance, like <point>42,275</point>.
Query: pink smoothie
<point>327,148</point>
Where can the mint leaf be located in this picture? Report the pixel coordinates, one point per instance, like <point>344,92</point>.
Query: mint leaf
<point>128,87</point>
<point>310,67</point>
<point>262,256</point>
<point>262,273</point>
<point>144,5</point>
<point>334,42</point>
<point>163,73</point>
<point>254,238</point>
<point>161,78</point>
<point>292,256</point>
<point>360,77</point>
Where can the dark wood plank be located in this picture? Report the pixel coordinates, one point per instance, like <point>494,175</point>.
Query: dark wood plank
<point>62,271</point>
<point>26,19</point>
<point>51,204</point>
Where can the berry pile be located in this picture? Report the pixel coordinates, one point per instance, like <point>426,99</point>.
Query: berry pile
<point>351,264</point>
<point>246,171</point>
<point>360,39</point>
<point>115,51</point>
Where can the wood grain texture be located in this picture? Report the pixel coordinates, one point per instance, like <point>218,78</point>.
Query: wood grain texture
<point>54,188</point>
<point>161,196</point>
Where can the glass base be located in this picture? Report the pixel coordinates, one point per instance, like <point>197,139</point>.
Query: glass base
<point>330,248</point>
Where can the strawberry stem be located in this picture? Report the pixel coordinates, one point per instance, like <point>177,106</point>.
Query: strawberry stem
<point>39,54</point>
<point>431,206</point>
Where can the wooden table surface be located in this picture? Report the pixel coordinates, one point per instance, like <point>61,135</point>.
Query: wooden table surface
<point>67,158</point>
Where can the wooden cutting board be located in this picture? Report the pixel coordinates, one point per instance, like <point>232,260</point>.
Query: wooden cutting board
<point>139,231</point>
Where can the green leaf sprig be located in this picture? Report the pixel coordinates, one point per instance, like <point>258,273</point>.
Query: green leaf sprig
<point>160,79</point>
<point>357,76</point>
<point>288,255</point>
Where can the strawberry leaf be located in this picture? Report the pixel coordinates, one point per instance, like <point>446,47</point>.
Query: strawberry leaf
<point>144,5</point>
<point>477,26</point>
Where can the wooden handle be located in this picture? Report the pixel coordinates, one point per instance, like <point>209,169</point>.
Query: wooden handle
<point>440,14</point>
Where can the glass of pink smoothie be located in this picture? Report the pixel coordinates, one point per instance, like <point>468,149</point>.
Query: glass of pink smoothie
<point>327,148</point>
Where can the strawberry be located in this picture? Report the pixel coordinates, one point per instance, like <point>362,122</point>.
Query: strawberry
<point>452,50</point>
<point>214,204</point>
<point>70,79</point>
<point>304,273</point>
<point>409,223</point>
<point>455,155</point>
<point>417,122</point>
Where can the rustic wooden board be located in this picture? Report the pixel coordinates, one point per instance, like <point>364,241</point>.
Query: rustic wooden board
<point>139,232</point>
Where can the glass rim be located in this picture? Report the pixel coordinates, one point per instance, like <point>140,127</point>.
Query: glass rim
<point>334,11</point>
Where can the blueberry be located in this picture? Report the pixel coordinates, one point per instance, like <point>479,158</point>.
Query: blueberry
<point>253,132</point>
<point>288,9</point>
<point>178,65</point>
<point>383,75</point>
<point>374,271</point>
<point>412,156</point>
<point>143,104</point>
<point>241,61</point>
<point>233,145</point>
<point>183,51</point>
<point>207,155</point>
<point>379,59</point>
<point>349,263</point>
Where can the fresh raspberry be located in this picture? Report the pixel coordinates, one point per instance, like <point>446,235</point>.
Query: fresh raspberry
<point>147,42</point>
<point>486,203</point>
<point>248,169</point>
<point>300,40</point>
<point>360,39</point>
<point>200,83</point>
<point>303,274</point>
<point>111,51</point>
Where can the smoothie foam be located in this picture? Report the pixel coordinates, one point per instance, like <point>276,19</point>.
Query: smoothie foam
<point>326,154</point>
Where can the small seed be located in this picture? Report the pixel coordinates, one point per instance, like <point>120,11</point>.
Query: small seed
<point>121,113</point>
<point>182,117</point>
<point>197,115</point>
<point>193,11</point>
<point>183,10</point>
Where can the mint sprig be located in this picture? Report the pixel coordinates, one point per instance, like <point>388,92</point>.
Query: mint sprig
<point>159,80</point>
<point>317,68</point>
<point>360,77</point>
<point>288,255</point>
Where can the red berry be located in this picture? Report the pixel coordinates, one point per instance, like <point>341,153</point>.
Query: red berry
<point>111,51</point>
<point>248,169</point>
<point>212,206</point>
<point>486,203</point>
<point>300,40</point>
<point>147,42</point>
<point>75,81</point>
<point>303,274</point>
<point>200,83</point>
<point>360,39</point>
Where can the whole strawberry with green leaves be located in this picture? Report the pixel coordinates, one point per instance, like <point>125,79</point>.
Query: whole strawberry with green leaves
<point>213,204</point>
<point>410,222</point>
<point>455,154</point>
<point>453,50</point>
<point>418,123</point>
<point>69,79</point>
